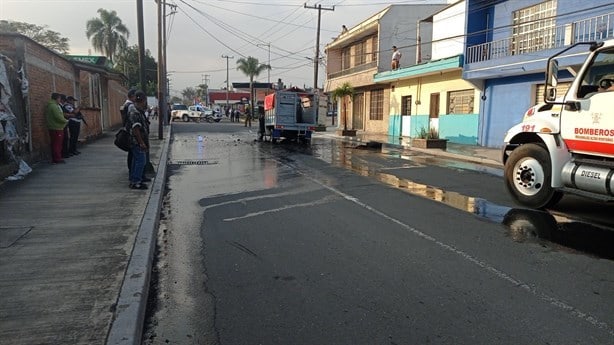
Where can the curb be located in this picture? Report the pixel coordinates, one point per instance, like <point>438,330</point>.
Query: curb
<point>127,325</point>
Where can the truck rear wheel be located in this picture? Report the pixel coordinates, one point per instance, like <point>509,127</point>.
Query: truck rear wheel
<point>528,176</point>
<point>185,118</point>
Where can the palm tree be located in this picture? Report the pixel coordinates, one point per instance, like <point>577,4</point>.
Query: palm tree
<point>107,33</point>
<point>341,92</point>
<point>251,67</point>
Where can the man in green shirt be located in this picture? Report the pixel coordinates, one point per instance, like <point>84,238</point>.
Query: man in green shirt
<point>55,123</point>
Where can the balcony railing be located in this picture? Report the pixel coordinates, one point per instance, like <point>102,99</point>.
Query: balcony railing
<point>592,29</point>
<point>352,70</point>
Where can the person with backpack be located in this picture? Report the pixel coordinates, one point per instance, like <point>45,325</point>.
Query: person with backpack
<point>136,123</point>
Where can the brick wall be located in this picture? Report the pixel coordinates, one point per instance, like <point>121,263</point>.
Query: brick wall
<point>49,72</point>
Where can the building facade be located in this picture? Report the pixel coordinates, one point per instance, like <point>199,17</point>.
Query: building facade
<point>431,96</point>
<point>361,52</point>
<point>508,43</point>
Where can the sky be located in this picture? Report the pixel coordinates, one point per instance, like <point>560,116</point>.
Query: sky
<point>199,32</point>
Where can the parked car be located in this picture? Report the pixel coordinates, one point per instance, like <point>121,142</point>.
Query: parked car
<point>185,113</point>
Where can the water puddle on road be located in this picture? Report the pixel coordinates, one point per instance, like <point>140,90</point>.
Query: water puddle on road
<point>555,231</point>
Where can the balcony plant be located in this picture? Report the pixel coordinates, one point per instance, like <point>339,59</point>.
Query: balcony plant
<point>428,138</point>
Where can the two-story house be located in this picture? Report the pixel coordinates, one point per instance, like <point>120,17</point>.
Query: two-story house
<point>508,43</point>
<point>431,96</point>
<point>364,50</point>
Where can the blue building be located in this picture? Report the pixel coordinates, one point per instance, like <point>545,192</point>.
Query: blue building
<point>507,45</point>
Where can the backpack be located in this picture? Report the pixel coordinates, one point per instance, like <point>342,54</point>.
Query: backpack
<point>122,139</point>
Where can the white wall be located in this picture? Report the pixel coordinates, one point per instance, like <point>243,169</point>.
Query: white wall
<point>449,32</point>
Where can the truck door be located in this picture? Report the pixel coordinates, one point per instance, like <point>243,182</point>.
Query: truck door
<point>591,129</point>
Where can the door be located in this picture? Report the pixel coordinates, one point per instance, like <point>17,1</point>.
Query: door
<point>358,111</point>
<point>434,112</point>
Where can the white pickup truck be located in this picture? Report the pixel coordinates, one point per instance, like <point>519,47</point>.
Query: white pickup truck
<point>194,113</point>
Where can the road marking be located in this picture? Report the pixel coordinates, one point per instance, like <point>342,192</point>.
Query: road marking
<point>257,197</point>
<point>502,275</point>
<point>324,200</point>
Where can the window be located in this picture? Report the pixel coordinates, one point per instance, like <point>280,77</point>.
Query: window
<point>361,54</point>
<point>345,58</point>
<point>377,105</point>
<point>374,48</point>
<point>460,102</point>
<point>601,69</point>
<point>534,28</point>
<point>406,105</point>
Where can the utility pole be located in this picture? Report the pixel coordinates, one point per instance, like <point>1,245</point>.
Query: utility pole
<point>141,33</point>
<point>205,81</point>
<point>269,63</point>
<point>227,77</point>
<point>316,61</point>
<point>161,75</point>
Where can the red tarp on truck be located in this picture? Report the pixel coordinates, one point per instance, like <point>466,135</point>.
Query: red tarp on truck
<point>269,102</point>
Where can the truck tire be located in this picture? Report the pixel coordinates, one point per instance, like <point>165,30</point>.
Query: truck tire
<point>528,177</point>
<point>185,118</point>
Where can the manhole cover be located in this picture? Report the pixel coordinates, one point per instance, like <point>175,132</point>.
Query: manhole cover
<point>195,162</point>
<point>10,235</point>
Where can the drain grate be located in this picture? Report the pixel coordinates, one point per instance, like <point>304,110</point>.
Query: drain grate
<point>194,162</point>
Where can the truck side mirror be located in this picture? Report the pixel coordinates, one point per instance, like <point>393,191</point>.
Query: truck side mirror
<point>552,80</point>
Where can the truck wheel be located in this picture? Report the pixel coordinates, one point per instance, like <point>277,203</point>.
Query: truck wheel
<point>185,118</point>
<point>528,175</point>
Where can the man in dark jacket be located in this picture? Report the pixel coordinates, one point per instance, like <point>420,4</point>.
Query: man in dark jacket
<point>136,123</point>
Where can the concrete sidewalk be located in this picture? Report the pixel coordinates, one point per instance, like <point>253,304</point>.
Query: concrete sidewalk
<point>470,153</point>
<point>76,246</point>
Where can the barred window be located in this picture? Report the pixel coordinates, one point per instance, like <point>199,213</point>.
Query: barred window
<point>406,105</point>
<point>460,102</point>
<point>534,27</point>
<point>361,57</point>
<point>377,105</point>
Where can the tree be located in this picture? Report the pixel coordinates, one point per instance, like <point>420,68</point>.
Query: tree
<point>128,63</point>
<point>251,67</point>
<point>188,94</point>
<point>38,34</point>
<point>341,93</point>
<point>107,33</point>
<point>201,92</point>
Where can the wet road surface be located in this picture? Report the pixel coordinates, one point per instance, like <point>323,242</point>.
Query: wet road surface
<point>333,244</point>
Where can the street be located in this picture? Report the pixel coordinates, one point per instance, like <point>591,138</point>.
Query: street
<point>331,243</point>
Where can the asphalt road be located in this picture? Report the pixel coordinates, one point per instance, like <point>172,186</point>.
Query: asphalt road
<point>332,244</point>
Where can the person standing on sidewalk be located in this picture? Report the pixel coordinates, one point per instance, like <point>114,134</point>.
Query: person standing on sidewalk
<point>74,125</point>
<point>55,124</point>
<point>124,112</point>
<point>136,124</point>
<point>67,115</point>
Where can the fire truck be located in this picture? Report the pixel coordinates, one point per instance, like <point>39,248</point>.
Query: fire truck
<point>567,144</point>
<point>291,114</point>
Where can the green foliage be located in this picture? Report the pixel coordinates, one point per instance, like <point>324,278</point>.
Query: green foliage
<point>251,67</point>
<point>128,63</point>
<point>189,93</point>
<point>428,133</point>
<point>107,33</point>
<point>345,90</point>
<point>37,33</point>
